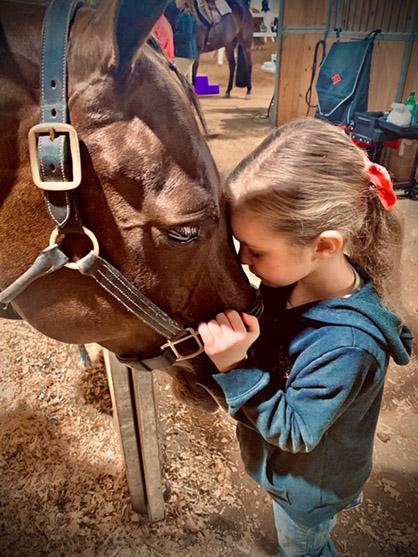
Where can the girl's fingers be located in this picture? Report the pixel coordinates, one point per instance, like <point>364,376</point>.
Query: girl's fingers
<point>218,333</point>
<point>222,320</point>
<point>228,337</point>
<point>251,323</point>
<point>236,322</point>
<point>206,334</point>
<point>229,333</point>
<point>217,330</point>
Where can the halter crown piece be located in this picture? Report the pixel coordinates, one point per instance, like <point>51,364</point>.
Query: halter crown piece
<point>381,182</point>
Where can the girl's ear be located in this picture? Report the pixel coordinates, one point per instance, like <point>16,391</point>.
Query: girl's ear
<point>328,244</point>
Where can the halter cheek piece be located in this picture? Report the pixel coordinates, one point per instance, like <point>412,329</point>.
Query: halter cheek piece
<point>56,168</point>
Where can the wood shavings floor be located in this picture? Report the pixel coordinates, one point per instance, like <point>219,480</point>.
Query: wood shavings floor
<point>62,484</point>
<point>63,490</point>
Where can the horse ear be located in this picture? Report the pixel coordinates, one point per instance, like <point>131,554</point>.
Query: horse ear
<point>133,21</point>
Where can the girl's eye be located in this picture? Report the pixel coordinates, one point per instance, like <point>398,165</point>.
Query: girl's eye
<point>254,254</point>
<point>183,234</point>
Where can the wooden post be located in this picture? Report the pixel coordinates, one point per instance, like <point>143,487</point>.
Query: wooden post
<point>135,416</point>
<point>143,388</point>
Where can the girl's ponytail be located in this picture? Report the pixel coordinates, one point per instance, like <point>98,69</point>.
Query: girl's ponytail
<point>377,247</point>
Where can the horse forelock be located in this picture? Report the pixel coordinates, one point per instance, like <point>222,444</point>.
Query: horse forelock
<point>90,45</point>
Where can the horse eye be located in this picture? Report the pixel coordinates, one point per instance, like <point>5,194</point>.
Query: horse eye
<point>183,234</point>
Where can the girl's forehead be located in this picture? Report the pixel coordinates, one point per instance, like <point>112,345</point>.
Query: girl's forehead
<point>248,229</point>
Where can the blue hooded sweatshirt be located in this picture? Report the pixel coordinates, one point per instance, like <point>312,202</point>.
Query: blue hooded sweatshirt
<point>307,400</point>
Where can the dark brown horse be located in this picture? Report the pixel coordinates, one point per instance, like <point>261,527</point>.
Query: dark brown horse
<point>150,191</point>
<point>234,29</point>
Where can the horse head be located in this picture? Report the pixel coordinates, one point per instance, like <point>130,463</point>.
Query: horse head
<point>150,191</point>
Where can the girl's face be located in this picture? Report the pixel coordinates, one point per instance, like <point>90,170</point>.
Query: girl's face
<point>271,257</point>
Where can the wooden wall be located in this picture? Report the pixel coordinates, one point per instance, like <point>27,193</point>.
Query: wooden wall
<point>295,75</point>
<point>297,57</point>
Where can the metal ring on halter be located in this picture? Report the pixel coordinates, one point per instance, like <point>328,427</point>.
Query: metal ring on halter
<point>87,232</point>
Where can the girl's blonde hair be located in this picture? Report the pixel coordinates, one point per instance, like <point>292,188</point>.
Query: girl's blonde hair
<point>308,177</point>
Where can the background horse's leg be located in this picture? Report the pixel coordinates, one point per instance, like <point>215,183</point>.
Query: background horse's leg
<point>245,40</point>
<point>249,65</point>
<point>230,56</point>
<point>194,69</point>
<point>201,39</point>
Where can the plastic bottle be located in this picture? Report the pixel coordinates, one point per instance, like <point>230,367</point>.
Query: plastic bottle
<point>412,105</point>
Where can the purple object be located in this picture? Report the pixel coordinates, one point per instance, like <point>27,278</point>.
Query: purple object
<point>202,86</point>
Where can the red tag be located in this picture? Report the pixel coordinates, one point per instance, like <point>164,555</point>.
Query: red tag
<point>336,78</point>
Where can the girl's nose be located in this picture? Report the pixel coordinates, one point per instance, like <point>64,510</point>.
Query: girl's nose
<point>244,256</point>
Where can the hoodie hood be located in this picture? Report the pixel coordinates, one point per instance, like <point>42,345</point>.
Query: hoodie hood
<point>364,311</point>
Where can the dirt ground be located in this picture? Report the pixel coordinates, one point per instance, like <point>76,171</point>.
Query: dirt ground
<point>62,484</point>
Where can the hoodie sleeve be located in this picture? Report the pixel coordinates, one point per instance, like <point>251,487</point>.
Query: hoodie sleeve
<point>314,397</point>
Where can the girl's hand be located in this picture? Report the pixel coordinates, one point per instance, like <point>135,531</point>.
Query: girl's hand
<point>228,337</point>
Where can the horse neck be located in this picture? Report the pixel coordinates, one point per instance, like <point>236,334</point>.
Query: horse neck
<point>221,34</point>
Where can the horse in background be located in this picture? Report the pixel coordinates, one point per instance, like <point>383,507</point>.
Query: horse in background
<point>234,29</point>
<point>150,192</point>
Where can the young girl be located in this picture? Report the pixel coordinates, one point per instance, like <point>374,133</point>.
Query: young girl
<point>315,223</point>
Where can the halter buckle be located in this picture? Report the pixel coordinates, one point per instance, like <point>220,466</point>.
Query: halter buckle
<point>53,129</point>
<point>191,334</point>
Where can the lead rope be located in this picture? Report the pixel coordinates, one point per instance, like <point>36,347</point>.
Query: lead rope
<point>88,362</point>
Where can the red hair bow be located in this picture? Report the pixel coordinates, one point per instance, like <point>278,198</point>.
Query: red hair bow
<point>379,177</point>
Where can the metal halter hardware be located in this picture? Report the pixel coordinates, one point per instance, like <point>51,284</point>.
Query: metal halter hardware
<point>52,131</point>
<point>173,343</point>
<point>53,172</point>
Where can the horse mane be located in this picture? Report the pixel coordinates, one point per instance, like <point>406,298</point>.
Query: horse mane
<point>185,83</point>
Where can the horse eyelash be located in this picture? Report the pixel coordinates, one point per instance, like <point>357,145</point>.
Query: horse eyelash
<point>183,234</point>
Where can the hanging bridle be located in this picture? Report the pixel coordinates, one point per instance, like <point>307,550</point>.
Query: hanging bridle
<point>56,169</point>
